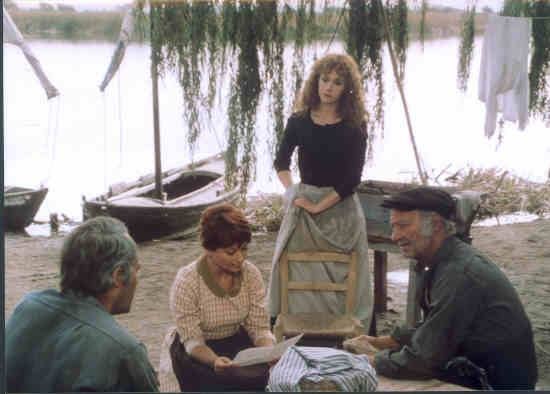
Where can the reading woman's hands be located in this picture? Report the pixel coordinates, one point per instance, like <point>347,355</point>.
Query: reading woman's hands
<point>223,365</point>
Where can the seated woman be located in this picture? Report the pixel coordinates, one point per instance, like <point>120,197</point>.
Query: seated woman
<point>217,303</point>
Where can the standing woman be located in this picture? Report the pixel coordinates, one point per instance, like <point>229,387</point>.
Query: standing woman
<point>322,212</point>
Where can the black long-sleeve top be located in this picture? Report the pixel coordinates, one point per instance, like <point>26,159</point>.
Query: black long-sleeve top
<point>330,155</point>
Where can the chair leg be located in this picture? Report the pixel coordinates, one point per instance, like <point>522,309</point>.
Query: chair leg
<point>372,328</point>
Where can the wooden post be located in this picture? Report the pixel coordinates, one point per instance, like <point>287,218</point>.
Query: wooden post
<point>156,122</point>
<point>380,275</point>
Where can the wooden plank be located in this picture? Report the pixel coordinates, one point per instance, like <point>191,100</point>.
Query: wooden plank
<point>387,384</point>
<point>351,285</point>
<point>315,257</point>
<point>317,286</point>
<point>380,281</point>
<point>283,271</point>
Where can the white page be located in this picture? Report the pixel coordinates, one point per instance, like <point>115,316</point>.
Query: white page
<point>264,354</point>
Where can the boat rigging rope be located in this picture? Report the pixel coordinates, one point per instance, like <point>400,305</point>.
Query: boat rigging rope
<point>120,122</point>
<point>337,27</point>
<point>51,142</point>
<point>104,99</point>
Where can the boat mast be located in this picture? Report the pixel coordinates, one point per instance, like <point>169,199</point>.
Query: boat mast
<point>156,124</point>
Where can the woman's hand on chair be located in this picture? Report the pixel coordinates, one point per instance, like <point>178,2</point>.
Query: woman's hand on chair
<point>303,202</point>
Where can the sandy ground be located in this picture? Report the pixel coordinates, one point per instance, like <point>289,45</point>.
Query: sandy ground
<point>521,250</point>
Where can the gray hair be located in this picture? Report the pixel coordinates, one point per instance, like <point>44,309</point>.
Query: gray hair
<point>92,252</point>
<point>449,227</point>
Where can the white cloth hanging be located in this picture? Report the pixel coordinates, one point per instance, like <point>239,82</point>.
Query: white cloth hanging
<point>11,35</point>
<point>123,39</point>
<point>503,77</point>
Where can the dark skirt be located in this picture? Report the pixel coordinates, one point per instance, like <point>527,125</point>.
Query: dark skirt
<point>195,376</point>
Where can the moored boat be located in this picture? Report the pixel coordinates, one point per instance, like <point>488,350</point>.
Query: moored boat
<point>21,205</point>
<point>187,191</point>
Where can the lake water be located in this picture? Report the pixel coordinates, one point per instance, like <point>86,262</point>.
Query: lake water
<point>84,140</point>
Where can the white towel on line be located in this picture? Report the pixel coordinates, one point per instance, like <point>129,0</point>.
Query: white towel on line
<point>503,77</point>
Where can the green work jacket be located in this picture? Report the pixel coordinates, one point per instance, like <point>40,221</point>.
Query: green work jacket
<point>470,309</point>
<point>60,342</point>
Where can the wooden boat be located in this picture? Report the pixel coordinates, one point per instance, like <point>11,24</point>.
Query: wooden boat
<point>187,192</point>
<point>372,192</point>
<point>20,206</point>
<point>164,203</point>
<point>20,203</point>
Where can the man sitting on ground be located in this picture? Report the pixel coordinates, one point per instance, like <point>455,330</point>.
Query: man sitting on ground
<point>69,341</point>
<point>470,308</point>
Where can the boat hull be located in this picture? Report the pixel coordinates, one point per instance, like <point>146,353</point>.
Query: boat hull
<point>147,223</point>
<point>21,205</point>
<point>189,191</point>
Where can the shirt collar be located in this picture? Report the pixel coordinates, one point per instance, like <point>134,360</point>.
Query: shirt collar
<point>84,298</point>
<point>440,256</point>
<point>206,275</point>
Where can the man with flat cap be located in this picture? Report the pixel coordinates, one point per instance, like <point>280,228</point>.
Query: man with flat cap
<point>471,312</point>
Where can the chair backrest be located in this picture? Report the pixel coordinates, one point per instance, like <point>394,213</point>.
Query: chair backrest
<point>348,286</point>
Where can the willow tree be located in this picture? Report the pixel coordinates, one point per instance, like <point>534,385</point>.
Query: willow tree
<point>241,44</point>
<point>208,43</point>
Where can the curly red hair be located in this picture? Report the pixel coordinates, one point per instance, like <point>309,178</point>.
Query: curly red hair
<point>352,103</point>
<point>224,225</point>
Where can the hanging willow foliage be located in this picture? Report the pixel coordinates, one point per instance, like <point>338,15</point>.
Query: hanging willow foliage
<point>207,43</point>
<point>277,82</point>
<point>400,34</point>
<point>363,39</point>
<point>466,47</point>
<point>422,27</point>
<point>244,102</point>
<point>299,42</point>
<point>374,68</point>
<point>539,70</point>
<point>356,41</point>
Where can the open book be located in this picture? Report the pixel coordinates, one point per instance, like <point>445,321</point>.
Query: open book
<point>264,354</point>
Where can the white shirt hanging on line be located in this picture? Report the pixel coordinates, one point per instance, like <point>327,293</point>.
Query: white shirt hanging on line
<point>503,77</point>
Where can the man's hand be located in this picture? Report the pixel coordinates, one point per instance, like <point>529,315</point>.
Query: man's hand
<point>223,365</point>
<point>383,342</point>
<point>303,202</point>
<point>361,345</point>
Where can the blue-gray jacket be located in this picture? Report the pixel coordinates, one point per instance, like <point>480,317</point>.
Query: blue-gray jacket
<point>59,342</point>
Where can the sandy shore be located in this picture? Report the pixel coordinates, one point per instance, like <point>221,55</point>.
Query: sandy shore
<point>521,250</point>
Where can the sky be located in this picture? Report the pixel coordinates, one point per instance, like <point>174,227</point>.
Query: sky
<point>84,5</point>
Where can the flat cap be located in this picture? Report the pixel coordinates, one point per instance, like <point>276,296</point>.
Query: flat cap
<point>424,198</point>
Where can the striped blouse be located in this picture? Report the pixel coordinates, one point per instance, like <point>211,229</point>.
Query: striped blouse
<point>203,311</point>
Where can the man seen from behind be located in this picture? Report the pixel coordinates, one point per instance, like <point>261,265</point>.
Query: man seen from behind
<point>68,340</point>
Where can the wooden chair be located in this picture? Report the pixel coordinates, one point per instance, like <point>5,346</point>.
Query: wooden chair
<point>320,325</point>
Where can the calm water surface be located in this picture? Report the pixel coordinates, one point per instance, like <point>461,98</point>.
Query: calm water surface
<point>84,140</point>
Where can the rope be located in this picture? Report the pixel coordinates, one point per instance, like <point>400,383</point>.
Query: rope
<point>52,137</point>
<point>386,22</point>
<point>337,26</point>
<point>104,141</point>
<point>121,135</point>
<point>213,131</point>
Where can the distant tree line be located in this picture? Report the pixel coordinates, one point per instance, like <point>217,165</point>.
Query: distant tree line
<point>64,22</point>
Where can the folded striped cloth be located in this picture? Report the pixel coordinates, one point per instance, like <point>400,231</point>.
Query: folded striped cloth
<point>303,366</point>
